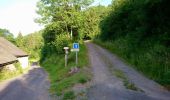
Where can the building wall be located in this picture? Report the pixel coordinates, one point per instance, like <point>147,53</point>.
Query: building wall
<point>10,67</point>
<point>23,61</point>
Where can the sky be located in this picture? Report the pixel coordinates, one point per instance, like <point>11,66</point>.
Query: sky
<point>18,15</point>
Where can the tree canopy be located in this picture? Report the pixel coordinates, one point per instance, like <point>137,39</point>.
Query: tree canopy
<point>7,34</point>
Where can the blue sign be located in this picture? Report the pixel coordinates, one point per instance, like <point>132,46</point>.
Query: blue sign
<point>75,45</point>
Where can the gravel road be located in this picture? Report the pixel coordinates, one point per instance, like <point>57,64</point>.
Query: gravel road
<point>106,86</point>
<point>31,86</point>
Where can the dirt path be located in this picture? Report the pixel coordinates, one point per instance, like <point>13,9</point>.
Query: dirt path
<point>31,86</point>
<point>107,86</point>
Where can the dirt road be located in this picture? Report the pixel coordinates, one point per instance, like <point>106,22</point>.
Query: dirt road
<point>31,86</point>
<point>108,86</point>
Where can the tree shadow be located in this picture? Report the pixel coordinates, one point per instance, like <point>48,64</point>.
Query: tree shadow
<point>31,86</point>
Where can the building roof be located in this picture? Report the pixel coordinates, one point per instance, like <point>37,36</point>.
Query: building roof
<point>6,58</point>
<point>11,48</point>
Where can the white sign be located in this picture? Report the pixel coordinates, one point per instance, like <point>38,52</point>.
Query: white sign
<point>74,50</point>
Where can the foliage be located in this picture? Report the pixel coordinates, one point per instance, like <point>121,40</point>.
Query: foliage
<point>61,16</point>
<point>64,23</point>
<point>6,34</point>
<point>148,61</point>
<point>31,43</point>
<point>91,20</point>
<point>69,95</point>
<point>61,41</point>
<point>60,11</point>
<point>20,41</point>
<point>138,30</point>
<point>18,67</point>
<point>59,75</point>
<point>6,73</point>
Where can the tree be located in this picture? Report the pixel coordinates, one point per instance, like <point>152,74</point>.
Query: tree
<point>92,18</point>
<point>20,40</point>
<point>6,34</point>
<point>61,16</point>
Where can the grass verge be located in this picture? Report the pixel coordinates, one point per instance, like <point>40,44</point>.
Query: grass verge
<point>61,80</point>
<point>126,82</point>
<point>152,61</point>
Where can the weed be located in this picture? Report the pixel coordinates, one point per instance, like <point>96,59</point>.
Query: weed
<point>82,80</point>
<point>69,95</point>
<point>126,82</point>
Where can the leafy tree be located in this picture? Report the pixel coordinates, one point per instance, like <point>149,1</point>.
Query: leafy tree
<point>31,43</point>
<point>20,40</point>
<point>6,34</point>
<point>60,17</point>
<point>92,17</point>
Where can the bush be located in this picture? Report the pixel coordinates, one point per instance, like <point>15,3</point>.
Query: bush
<point>61,41</point>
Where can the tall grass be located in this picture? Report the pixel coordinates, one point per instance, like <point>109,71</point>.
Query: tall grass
<point>151,60</point>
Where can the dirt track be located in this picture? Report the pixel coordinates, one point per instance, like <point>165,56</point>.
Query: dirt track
<point>106,86</point>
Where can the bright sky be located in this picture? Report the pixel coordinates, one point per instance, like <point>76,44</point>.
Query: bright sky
<point>18,15</point>
<point>102,2</point>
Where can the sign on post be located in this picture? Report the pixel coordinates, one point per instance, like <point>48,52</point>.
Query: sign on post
<point>76,49</point>
<point>75,45</point>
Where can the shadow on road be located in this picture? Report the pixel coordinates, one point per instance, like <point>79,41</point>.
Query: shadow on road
<point>31,86</point>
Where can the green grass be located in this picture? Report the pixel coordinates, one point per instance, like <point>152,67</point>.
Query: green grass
<point>59,75</point>
<point>126,82</point>
<point>69,95</point>
<point>120,74</point>
<point>152,60</point>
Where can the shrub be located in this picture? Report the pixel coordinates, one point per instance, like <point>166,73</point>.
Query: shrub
<point>61,40</point>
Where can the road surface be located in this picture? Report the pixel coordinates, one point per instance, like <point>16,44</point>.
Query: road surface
<point>106,86</point>
<point>32,86</point>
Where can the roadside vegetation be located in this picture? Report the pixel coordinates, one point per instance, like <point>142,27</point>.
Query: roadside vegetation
<point>126,82</point>
<point>7,34</point>
<point>32,44</point>
<point>66,23</point>
<point>138,31</point>
<point>5,73</point>
<point>61,77</point>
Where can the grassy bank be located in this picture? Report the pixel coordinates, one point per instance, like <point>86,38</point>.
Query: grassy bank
<point>61,80</point>
<point>152,61</point>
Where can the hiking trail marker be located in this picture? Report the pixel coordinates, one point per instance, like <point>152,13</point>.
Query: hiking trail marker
<point>76,49</point>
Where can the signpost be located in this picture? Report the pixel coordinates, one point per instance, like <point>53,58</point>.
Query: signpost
<point>66,55</point>
<point>76,49</point>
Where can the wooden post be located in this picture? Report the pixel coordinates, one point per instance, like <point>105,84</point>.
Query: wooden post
<point>76,58</point>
